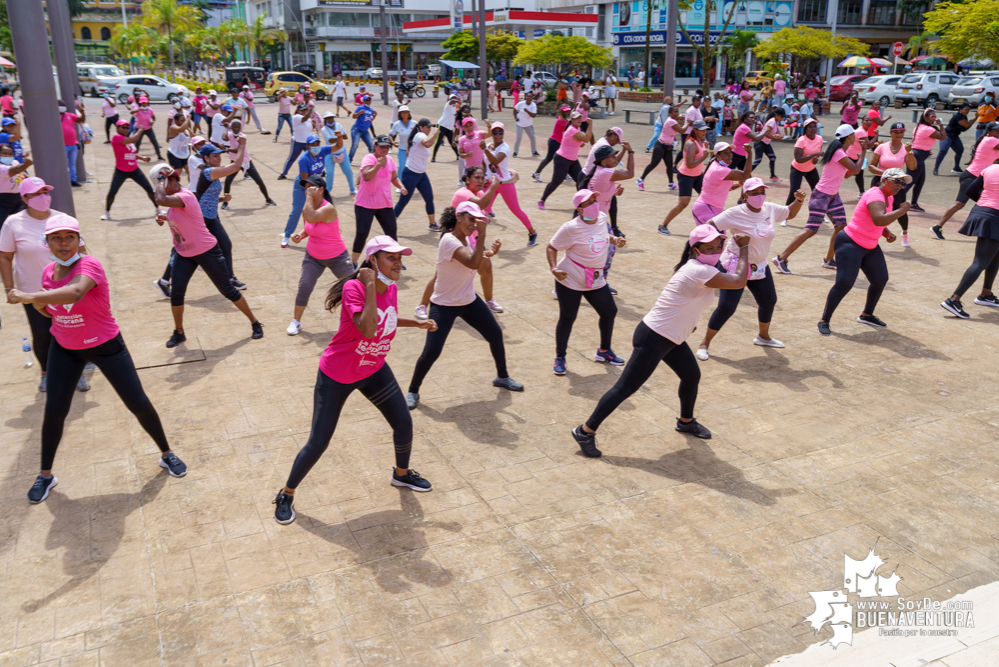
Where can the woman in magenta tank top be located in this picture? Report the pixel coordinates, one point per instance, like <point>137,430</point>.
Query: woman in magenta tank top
<point>719,178</point>
<point>555,140</point>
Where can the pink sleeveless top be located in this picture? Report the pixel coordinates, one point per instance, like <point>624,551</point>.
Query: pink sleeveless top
<point>699,169</point>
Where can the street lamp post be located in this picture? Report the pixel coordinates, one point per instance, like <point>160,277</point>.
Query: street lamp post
<point>300,28</point>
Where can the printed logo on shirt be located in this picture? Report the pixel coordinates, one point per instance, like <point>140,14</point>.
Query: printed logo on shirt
<point>91,340</point>
<point>375,347</point>
<point>387,321</point>
<point>763,229</point>
<point>68,306</point>
<point>597,243</point>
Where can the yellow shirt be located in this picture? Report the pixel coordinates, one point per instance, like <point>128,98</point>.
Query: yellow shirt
<point>986,113</point>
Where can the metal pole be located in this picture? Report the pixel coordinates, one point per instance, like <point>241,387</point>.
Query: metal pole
<point>381,16</point>
<point>124,16</point>
<point>41,111</point>
<point>672,21</point>
<point>829,67</point>
<point>483,65</point>
<point>61,29</point>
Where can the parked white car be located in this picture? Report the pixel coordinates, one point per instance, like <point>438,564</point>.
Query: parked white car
<point>880,88</point>
<point>925,88</point>
<point>971,89</point>
<point>547,79</point>
<point>158,89</point>
<point>93,77</point>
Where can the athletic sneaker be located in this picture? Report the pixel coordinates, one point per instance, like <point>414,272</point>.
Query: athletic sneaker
<point>612,290</point>
<point>294,328</point>
<point>955,308</point>
<point>284,512</point>
<point>163,286</point>
<point>559,367</point>
<point>987,300</point>
<point>82,384</point>
<point>536,154</point>
<point>411,480</point>
<point>541,205</point>
<point>532,239</point>
<point>515,155</point>
<point>106,216</point>
<point>781,265</point>
<point>412,400</point>
<point>693,428</point>
<point>43,385</point>
<point>282,177</point>
<point>917,208</point>
<point>258,331</point>
<point>493,306</point>
<point>957,171</point>
<point>936,173</point>
<point>225,206</point>
<point>905,240</point>
<point>824,329</point>
<point>702,354</point>
<point>608,356</point>
<point>555,295</point>
<point>664,230</point>
<point>673,186</point>
<point>508,383</point>
<point>871,320</point>
<point>238,284</point>
<point>783,223</point>
<point>776,179</point>
<point>172,463</point>
<point>489,213</point>
<point>284,241</point>
<point>569,177</point>
<point>271,202</point>
<point>421,312</point>
<point>434,227</point>
<point>938,232</point>
<point>618,233</point>
<point>640,183</point>
<point>587,442</point>
<point>176,339</point>
<point>763,342</point>
<point>829,264</point>
<point>537,177</point>
<point>40,489</point>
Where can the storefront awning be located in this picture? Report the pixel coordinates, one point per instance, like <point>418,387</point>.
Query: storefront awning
<point>459,64</point>
<point>510,19</point>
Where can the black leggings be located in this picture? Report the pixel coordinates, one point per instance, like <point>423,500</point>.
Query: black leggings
<point>859,180</point>
<point>41,334</point>
<point>649,349</point>
<point>562,168</point>
<point>613,212</point>
<point>660,152</point>
<point>115,363</point>
<point>214,265</point>
<point>918,174</point>
<point>763,290</point>
<point>568,307</point>
<point>762,149</point>
<point>903,222</point>
<point>252,173</point>
<point>812,177</point>
<point>679,153</point>
<point>328,399</point>
<point>119,178</point>
<point>215,228</point>
<point>986,260</point>
<point>362,224</point>
<point>445,134</point>
<point>553,146</point>
<point>477,316</point>
<point>108,124</point>
<point>851,259</point>
<point>152,138</point>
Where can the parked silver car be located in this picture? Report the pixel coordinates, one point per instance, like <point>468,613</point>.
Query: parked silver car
<point>971,89</point>
<point>880,88</point>
<point>157,88</point>
<point>924,88</point>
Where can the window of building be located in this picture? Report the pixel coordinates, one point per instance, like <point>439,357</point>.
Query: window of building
<point>105,34</point>
<point>850,12</point>
<point>85,33</point>
<point>882,12</point>
<point>917,12</point>
<point>812,11</point>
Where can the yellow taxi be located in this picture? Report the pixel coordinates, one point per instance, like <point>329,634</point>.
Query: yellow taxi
<point>291,81</point>
<point>756,78</point>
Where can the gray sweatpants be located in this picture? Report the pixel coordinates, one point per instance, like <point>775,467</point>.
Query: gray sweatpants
<point>251,113</point>
<point>520,133</point>
<point>312,268</point>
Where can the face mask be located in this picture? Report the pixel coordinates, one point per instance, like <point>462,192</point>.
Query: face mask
<point>591,212</point>
<point>756,201</point>
<point>7,160</point>
<point>62,109</point>
<point>177,105</point>
<point>385,279</point>
<point>40,203</point>
<point>314,150</point>
<point>709,260</point>
<point>68,262</point>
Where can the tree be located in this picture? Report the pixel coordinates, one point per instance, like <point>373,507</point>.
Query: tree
<point>702,43</point>
<point>563,54</point>
<point>802,44</point>
<point>168,16</point>
<point>463,45</point>
<point>502,47</point>
<point>260,35</point>
<point>924,41</point>
<point>966,30</point>
<point>6,43</point>
<point>738,43</point>
<point>135,41</point>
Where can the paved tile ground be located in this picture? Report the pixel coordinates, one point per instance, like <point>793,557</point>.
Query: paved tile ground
<point>667,551</point>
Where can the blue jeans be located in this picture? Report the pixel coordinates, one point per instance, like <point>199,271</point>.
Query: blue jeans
<point>357,134</point>
<point>344,167</point>
<point>296,149</point>
<point>413,182</point>
<point>297,204</point>
<point>401,159</point>
<point>950,143</point>
<point>655,135</point>
<point>282,119</point>
<point>71,152</point>
<point>979,134</point>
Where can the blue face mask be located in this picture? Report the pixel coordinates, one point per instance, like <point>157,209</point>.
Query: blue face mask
<point>68,262</point>
<point>314,150</point>
<point>6,160</point>
<point>385,279</point>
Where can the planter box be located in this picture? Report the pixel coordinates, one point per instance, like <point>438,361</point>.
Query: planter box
<point>632,96</point>
<point>547,108</point>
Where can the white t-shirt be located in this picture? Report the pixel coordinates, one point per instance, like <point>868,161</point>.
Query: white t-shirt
<point>455,281</point>
<point>339,89</point>
<point>447,118</point>
<point>180,144</point>
<point>523,120</point>
<point>395,110</point>
<point>583,244</point>
<point>194,168</point>
<point>402,131</point>
<point>682,301</point>
<point>692,113</point>
<point>218,129</point>
<point>503,168</point>
<point>329,134</point>
<point>25,237</point>
<point>417,156</point>
<point>610,87</point>
<point>760,227</point>
<point>301,128</point>
<point>591,157</point>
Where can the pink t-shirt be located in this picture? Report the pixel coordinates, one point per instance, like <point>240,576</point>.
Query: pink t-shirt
<point>454,285</point>
<point>833,174</point>
<point>605,188</point>
<point>376,193</point>
<point>986,153</point>
<point>234,147</point>
<point>809,146</point>
<point>850,114</point>
<point>699,169</point>
<point>740,139</point>
<point>921,139</point>
<point>69,128</point>
<point>470,144</point>
<point>682,301</point>
<point>126,158</point>
<point>990,193</point>
<point>669,132</point>
<point>889,160</point>
<point>872,131</point>
<point>108,109</point>
<point>771,127</point>
<point>88,322</point>
<point>247,97</point>
<point>187,226</point>
<point>198,102</point>
<point>461,196</point>
<point>10,184</point>
<point>7,104</point>
<point>714,188</point>
<point>585,247</point>
<point>746,96</point>
<point>325,240</point>
<point>350,357</point>
<point>25,237</point>
<point>853,152</point>
<point>560,125</point>
<point>570,146</point>
<point>284,104</point>
<point>861,227</point>
<point>779,87</point>
<point>759,226</point>
<point>144,118</point>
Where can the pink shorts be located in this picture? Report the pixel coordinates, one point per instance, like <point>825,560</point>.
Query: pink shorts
<point>703,212</point>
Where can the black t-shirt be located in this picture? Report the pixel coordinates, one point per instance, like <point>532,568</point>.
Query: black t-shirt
<point>953,127</point>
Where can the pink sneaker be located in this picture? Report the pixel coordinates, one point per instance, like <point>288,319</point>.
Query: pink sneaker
<point>776,179</point>
<point>641,184</point>
<point>673,186</point>
<point>541,205</point>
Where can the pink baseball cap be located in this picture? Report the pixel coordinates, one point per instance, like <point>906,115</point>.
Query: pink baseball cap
<point>60,222</point>
<point>619,132</point>
<point>197,139</point>
<point>498,126</point>
<point>704,234</point>
<point>754,183</point>
<point>465,121</point>
<point>581,196</point>
<point>143,99</point>
<point>384,243</point>
<point>472,209</point>
<point>120,122</point>
<point>30,186</point>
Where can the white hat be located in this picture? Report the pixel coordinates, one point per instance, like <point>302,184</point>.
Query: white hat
<point>843,131</point>
<point>329,114</point>
<point>721,145</point>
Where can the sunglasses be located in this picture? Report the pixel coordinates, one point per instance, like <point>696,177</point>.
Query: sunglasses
<point>497,131</point>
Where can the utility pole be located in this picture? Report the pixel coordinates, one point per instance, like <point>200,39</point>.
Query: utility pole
<point>483,65</point>
<point>669,64</point>
<point>41,110</point>
<point>829,61</point>
<point>61,29</point>
<point>124,16</point>
<point>381,15</point>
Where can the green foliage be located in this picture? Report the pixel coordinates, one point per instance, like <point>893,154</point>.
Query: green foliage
<point>704,45</point>
<point>924,41</point>
<point>6,44</point>
<point>645,89</point>
<point>802,43</point>
<point>204,86</point>
<point>563,54</point>
<point>966,30</point>
<point>462,45</point>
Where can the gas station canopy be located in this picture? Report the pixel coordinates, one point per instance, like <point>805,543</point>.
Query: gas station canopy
<point>459,64</point>
<point>512,20</point>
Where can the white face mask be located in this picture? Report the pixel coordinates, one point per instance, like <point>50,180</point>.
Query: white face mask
<point>385,279</point>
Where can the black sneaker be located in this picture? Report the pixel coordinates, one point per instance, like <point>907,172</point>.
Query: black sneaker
<point>664,230</point>
<point>955,308</point>
<point>917,208</point>
<point>163,286</point>
<point>871,320</point>
<point>618,233</point>
<point>936,173</point>
<point>693,428</point>
<point>612,290</point>
<point>508,383</point>
<point>284,513</point>
<point>532,239</point>
<point>781,265</point>
<point>412,400</point>
<point>176,339</point>
<point>411,480</point>
<point>824,329</point>
<point>225,206</point>
<point>258,331</point>
<point>282,177</point>
<point>987,300</point>
<point>955,170</point>
<point>271,202</point>
<point>41,488</point>
<point>938,232</point>
<point>434,227</point>
<point>176,467</point>
<point>238,284</point>
<point>587,442</point>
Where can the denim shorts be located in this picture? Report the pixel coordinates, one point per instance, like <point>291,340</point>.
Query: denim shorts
<point>820,205</point>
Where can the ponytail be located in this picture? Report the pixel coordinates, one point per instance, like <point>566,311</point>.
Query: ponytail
<point>834,146</point>
<point>335,295</point>
<point>448,219</point>
<point>684,257</point>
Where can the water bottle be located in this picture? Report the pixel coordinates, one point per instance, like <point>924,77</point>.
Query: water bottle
<point>29,359</point>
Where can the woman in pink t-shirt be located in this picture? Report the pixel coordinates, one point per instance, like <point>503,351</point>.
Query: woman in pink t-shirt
<point>896,154</point>
<point>857,248</point>
<point>145,118</point>
<point>691,167</point>
<point>924,137</point>
<point>770,131</point>
<point>76,295</point>
<point>662,334</point>
<point>126,165</point>
<point>554,141</point>
<point>719,178</point>
<point>250,111</point>
<point>744,136</point>
<point>982,223</point>
<point>374,194</point>
<point>566,162</point>
<point>807,153</point>
<point>454,296</point>
<point>663,150</point>
<point>198,104</point>
<point>355,359</point>
<point>984,154</point>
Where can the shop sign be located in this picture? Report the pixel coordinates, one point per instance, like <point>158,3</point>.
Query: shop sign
<point>398,4</point>
<point>658,38</point>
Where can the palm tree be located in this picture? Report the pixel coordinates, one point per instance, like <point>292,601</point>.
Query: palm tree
<point>738,43</point>
<point>135,40</point>
<point>260,35</point>
<point>924,41</point>
<point>167,15</point>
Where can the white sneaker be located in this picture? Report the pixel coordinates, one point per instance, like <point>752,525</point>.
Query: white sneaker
<point>294,328</point>
<point>284,241</point>
<point>421,312</point>
<point>555,295</point>
<point>783,223</point>
<point>763,342</point>
<point>702,354</point>
<point>905,241</point>
<point>493,306</point>
<point>106,216</point>
<point>398,191</point>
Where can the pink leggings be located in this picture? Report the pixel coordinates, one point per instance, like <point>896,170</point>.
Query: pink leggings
<point>508,191</point>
